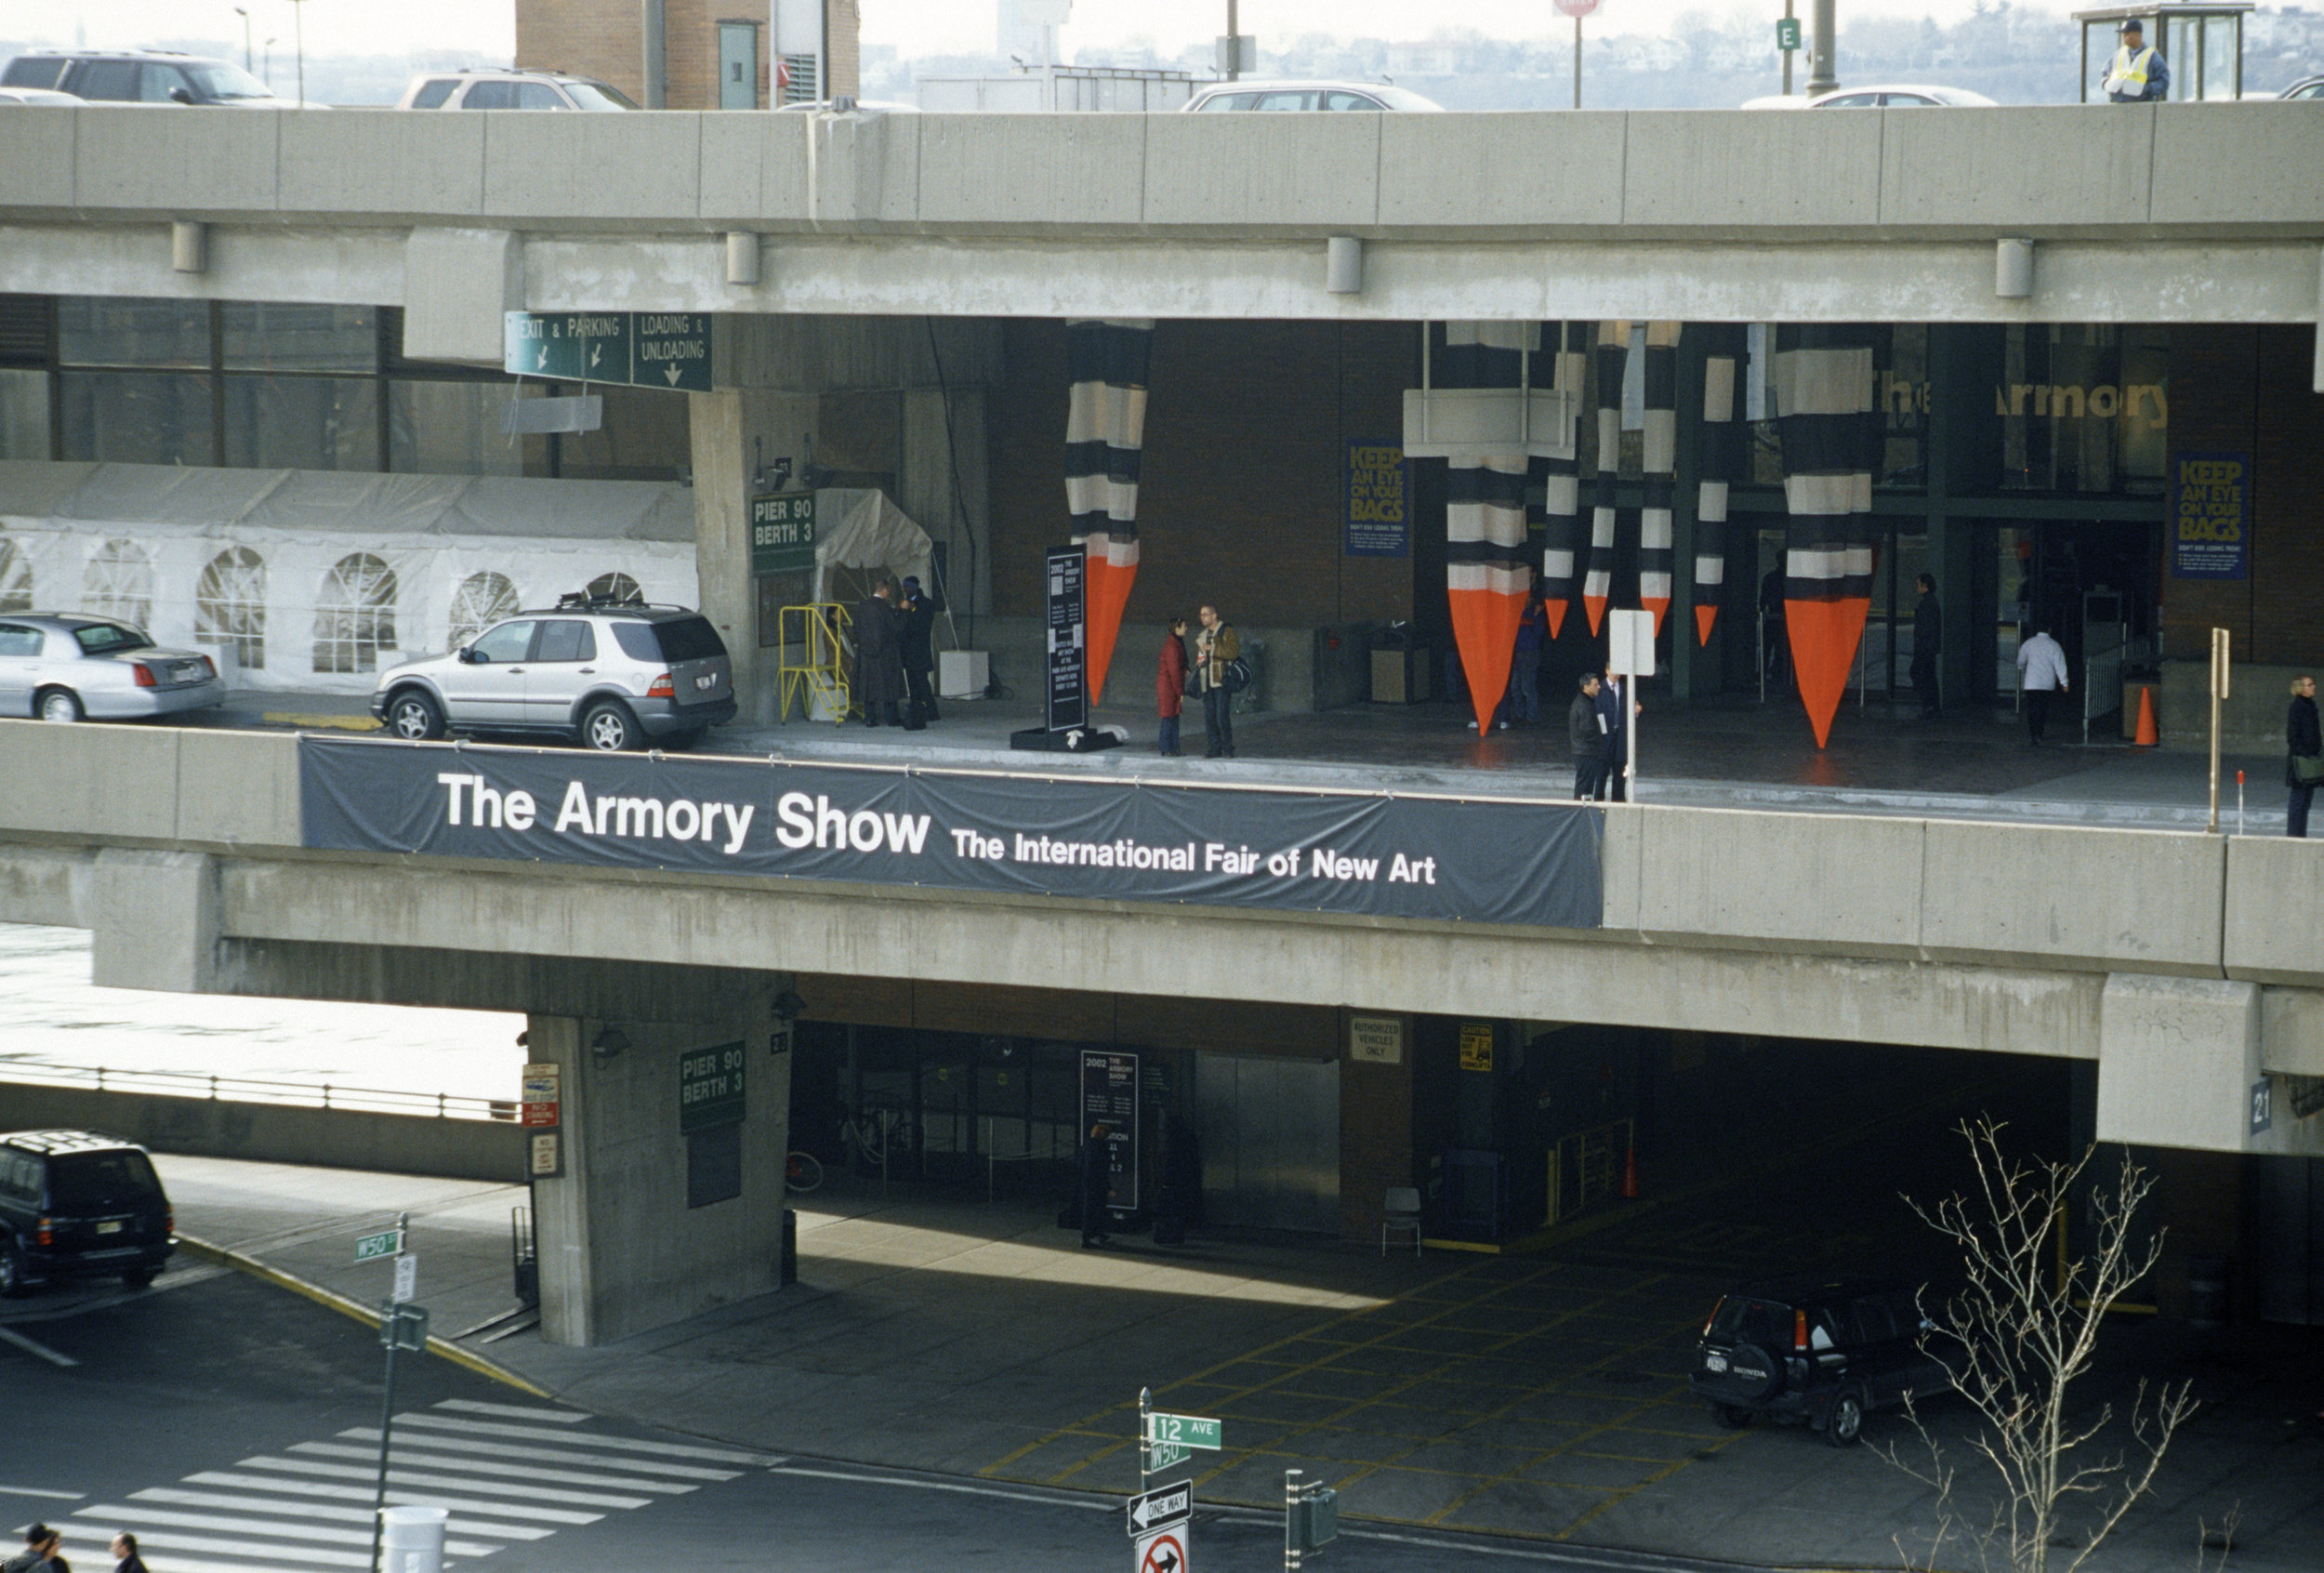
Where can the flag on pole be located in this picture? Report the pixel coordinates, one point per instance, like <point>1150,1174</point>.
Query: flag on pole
<point>1830,428</point>
<point>1485,572</point>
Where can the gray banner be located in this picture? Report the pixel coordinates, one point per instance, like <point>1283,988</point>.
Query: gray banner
<point>1475,860</point>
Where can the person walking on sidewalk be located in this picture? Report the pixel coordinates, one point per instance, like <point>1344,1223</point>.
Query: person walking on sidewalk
<point>1615,709</point>
<point>41,1546</point>
<point>1096,1176</point>
<point>1214,647</point>
<point>1587,733</point>
<point>878,655</point>
<point>125,1558</point>
<point>1169,684</point>
<point>2040,673</point>
<point>1928,640</point>
<point>2304,772</point>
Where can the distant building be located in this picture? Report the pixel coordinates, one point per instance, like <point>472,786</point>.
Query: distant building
<point>793,51</point>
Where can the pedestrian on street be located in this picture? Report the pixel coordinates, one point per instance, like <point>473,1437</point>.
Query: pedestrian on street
<point>1614,708</point>
<point>2305,772</point>
<point>1096,1176</point>
<point>2136,74</point>
<point>1586,732</point>
<point>41,1547</point>
<point>1214,647</point>
<point>1525,667</point>
<point>916,618</point>
<point>1928,640</point>
<point>125,1558</point>
<point>878,655</point>
<point>1169,684</point>
<point>2040,672</point>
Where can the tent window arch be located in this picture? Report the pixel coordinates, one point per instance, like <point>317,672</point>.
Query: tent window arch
<point>229,605</point>
<point>616,586</point>
<point>482,601</point>
<point>355,615</point>
<point>120,582</point>
<point>16,578</point>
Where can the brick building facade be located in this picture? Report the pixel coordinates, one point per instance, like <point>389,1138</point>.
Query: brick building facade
<point>606,39</point>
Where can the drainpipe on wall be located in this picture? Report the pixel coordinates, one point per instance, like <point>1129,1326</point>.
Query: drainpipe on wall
<point>654,59</point>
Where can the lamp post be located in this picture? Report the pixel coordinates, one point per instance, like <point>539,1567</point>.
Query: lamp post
<point>245,14</point>
<point>1577,9</point>
<point>1822,71</point>
<point>298,41</point>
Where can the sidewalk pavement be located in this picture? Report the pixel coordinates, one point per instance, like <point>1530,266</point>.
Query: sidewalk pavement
<point>1540,1397</point>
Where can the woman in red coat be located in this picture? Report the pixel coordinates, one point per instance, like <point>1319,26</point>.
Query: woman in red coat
<point>1170,681</point>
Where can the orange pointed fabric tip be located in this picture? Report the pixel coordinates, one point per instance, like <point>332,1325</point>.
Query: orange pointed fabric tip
<point>2149,734</point>
<point>1824,639</point>
<point>1595,606</point>
<point>1105,590</point>
<point>1485,626</point>
<point>1658,605</point>
<point>1704,618</point>
<point>1556,609</point>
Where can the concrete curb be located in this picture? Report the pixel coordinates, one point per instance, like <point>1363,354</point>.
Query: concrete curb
<point>195,1245</point>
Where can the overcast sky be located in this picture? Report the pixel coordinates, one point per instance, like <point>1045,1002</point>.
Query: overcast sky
<point>915,27</point>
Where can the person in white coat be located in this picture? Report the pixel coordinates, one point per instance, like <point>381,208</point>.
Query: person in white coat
<point>2040,672</point>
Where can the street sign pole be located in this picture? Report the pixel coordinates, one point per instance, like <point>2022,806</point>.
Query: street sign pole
<point>1146,1439</point>
<point>390,1326</point>
<point>1577,9</point>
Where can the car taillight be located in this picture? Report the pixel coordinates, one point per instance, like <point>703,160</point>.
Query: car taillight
<point>1799,1329</point>
<point>663,688</point>
<point>142,673</point>
<point>1710,1320</point>
<point>45,1232</point>
<point>209,668</point>
<point>169,1222</point>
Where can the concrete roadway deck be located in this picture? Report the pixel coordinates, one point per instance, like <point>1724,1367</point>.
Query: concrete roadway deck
<point>1974,764</point>
<point>1540,1397</point>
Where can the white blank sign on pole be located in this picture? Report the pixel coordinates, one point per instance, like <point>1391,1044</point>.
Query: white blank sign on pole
<point>1629,643</point>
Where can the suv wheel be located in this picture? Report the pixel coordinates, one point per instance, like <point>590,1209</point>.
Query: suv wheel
<point>608,728</point>
<point>137,1277</point>
<point>1844,1423</point>
<point>1734,1417</point>
<point>12,1280</point>
<point>414,718</point>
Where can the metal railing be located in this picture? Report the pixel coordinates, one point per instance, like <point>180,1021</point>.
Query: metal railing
<point>256,1089</point>
<point>1585,1169</point>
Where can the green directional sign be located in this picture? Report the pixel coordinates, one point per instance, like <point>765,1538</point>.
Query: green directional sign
<point>710,1087</point>
<point>1165,1455</point>
<point>371,1248</point>
<point>1184,1430</point>
<point>783,534</point>
<point>639,349</point>
<point>1788,35</point>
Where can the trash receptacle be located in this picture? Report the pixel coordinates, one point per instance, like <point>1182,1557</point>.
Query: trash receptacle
<point>410,1539</point>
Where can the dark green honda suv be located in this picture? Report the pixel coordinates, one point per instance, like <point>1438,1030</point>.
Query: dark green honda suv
<point>76,1204</point>
<point>1822,1352</point>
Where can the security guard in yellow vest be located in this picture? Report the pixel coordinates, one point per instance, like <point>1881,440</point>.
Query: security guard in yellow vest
<point>2138,73</point>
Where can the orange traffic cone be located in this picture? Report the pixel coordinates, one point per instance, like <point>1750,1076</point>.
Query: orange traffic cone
<point>2150,735</point>
<point>1630,1172</point>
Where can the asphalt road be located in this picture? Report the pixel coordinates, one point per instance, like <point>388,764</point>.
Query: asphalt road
<point>233,1426</point>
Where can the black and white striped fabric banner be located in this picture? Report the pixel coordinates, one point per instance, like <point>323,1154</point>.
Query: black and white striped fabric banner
<point>1597,582</point>
<point>1106,420</point>
<point>1659,469</point>
<point>1726,346</point>
<point>1562,537</point>
<point>1485,572</point>
<point>1830,431</point>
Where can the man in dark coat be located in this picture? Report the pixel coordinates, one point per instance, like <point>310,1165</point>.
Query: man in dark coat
<point>1928,640</point>
<point>1615,707</point>
<point>1097,1178</point>
<point>1587,733</point>
<point>2306,742</point>
<point>41,1543</point>
<point>917,615</point>
<point>878,655</point>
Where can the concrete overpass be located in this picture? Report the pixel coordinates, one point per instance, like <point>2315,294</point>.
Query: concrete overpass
<point>2182,965</point>
<point>2182,213</point>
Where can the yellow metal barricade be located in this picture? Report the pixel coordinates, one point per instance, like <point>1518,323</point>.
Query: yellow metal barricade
<point>1585,1169</point>
<point>813,661</point>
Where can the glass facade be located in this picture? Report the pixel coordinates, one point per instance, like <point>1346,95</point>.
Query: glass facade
<point>302,423</point>
<point>138,417</point>
<point>23,413</point>
<point>2083,409</point>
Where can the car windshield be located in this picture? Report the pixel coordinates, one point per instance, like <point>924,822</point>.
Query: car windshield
<point>110,639</point>
<point>597,96</point>
<point>225,82</point>
<point>84,1183</point>
<point>1741,1320</point>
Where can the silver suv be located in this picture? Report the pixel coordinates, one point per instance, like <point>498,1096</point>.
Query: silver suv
<point>609,674</point>
<point>516,88</point>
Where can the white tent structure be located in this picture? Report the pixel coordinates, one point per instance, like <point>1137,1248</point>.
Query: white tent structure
<point>859,533</point>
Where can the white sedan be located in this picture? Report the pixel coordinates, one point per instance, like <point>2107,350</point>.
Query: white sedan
<point>68,667</point>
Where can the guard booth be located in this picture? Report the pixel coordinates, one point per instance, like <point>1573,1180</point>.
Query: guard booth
<point>2202,43</point>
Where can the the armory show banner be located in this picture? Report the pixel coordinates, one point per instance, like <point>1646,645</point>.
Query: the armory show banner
<point>1471,859</point>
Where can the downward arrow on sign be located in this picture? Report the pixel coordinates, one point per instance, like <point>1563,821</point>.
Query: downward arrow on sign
<point>671,373</point>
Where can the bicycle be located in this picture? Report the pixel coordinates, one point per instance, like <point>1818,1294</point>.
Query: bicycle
<point>801,1173</point>
<point>874,1133</point>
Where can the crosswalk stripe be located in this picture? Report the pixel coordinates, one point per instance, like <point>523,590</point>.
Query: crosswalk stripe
<point>547,1455</point>
<point>365,1494</point>
<point>126,1512</point>
<point>528,1491</point>
<point>486,1466</point>
<point>201,1564</point>
<point>513,1411</point>
<point>622,1444</point>
<point>244,1552</point>
<point>278,1507</point>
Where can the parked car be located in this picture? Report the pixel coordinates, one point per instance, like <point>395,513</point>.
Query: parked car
<point>607,674</point>
<point>68,667</point>
<point>2310,87</point>
<point>141,76</point>
<point>517,87</point>
<point>1884,96</point>
<point>37,96</point>
<point>77,1205</point>
<point>1822,1352</point>
<point>1264,97</point>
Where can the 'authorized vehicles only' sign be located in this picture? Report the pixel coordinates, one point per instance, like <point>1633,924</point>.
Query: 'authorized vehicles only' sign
<point>1477,860</point>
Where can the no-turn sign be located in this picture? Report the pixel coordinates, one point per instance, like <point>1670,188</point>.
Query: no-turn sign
<point>1164,1552</point>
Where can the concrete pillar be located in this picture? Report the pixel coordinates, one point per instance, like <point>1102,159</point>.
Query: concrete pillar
<point>628,1237</point>
<point>2177,1058</point>
<point>942,483</point>
<point>153,920</point>
<point>457,286</point>
<point>724,456</point>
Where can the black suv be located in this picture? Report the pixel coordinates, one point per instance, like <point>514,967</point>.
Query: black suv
<point>76,1204</point>
<point>141,76</point>
<point>1820,1350</point>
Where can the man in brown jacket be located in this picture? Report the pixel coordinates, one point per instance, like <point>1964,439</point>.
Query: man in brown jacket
<point>1214,647</point>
